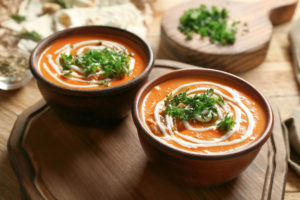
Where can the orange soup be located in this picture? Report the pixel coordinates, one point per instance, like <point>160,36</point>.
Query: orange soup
<point>202,115</point>
<point>91,61</point>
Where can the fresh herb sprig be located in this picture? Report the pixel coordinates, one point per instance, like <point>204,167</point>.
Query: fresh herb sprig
<point>208,23</point>
<point>113,63</point>
<point>227,123</point>
<point>187,108</point>
<point>31,35</point>
<point>18,18</point>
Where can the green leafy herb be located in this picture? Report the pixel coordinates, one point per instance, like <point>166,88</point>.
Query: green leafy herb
<point>200,106</point>
<point>208,23</point>
<point>66,61</point>
<point>62,3</point>
<point>18,18</point>
<point>227,123</point>
<point>68,74</point>
<point>113,63</point>
<point>32,35</point>
<point>105,83</point>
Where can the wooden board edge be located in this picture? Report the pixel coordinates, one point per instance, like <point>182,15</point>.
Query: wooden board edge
<point>287,10</point>
<point>226,62</point>
<point>18,158</point>
<point>173,64</point>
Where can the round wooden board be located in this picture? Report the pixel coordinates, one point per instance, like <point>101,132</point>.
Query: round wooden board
<point>54,159</point>
<point>250,48</point>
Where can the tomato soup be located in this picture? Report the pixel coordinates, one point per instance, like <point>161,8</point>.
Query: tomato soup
<point>202,115</point>
<point>78,61</point>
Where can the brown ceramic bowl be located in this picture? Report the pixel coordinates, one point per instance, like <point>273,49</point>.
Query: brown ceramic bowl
<point>108,103</point>
<point>196,168</point>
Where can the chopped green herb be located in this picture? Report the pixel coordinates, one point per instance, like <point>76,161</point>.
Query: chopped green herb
<point>245,23</point>
<point>208,23</point>
<point>235,23</point>
<point>62,3</point>
<point>18,18</point>
<point>66,61</point>
<point>68,74</point>
<point>113,63</point>
<point>100,43</point>
<point>200,106</point>
<point>32,35</point>
<point>246,30</point>
<point>227,123</point>
<point>105,83</point>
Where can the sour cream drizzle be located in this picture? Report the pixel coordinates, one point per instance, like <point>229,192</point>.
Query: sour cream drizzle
<point>77,72</point>
<point>233,101</point>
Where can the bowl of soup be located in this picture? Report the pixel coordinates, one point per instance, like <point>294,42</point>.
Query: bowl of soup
<point>201,126</point>
<point>91,71</point>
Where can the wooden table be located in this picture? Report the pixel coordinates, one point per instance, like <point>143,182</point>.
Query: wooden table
<point>274,78</point>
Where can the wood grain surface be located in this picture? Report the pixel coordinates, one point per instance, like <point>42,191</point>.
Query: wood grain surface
<point>294,37</point>
<point>274,77</point>
<point>55,159</point>
<point>249,49</point>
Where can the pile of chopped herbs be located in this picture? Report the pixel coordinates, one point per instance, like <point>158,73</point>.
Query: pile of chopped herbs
<point>197,107</point>
<point>113,63</point>
<point>212,23</point>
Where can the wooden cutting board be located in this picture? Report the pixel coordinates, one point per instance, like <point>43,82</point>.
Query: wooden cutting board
<point>250,48</point>
<point>54,159</point>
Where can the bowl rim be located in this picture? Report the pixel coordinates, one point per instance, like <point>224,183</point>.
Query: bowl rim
<point>42,45</point>
<point>195,155</point>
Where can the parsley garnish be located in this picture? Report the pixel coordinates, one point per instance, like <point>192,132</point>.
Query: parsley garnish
<point>68,73</point>
<point>113,63</point>
<point>66,61</point>
<point>31,35</point>
<point>187,108</point>
<point>201,107</point>
<point>18,18</point>
<point>208,23</point>
<point>227,123</point>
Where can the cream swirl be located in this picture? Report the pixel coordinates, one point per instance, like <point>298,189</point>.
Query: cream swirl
<point>77,73</point>
<point>232,102</point>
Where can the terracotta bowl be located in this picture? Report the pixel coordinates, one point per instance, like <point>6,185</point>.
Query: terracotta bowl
<point>192,168</point>
<point>108,103</point>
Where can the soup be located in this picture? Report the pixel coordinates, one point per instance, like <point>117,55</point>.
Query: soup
<point>91,61</point>
<point>208,116</point>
